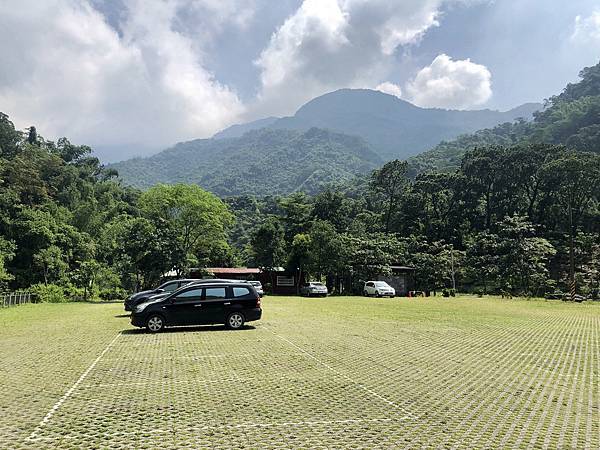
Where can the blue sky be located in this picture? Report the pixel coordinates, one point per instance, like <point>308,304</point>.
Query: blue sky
<point>131,77</point>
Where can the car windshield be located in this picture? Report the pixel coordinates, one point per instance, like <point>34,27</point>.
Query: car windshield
<point>381,284</point>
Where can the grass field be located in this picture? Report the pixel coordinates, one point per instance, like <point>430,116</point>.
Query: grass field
<point>314,373</point>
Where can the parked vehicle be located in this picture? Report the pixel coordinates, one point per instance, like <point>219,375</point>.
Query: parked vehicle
<point>314,288</point>
<point>166,288</point>
<point>232,304</point>
<point>258,286</point>
<point>378,289</point>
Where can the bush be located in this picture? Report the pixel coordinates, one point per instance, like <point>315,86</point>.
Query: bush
<point>115,293</point>
<point>449,292</point>
<point>50,293</point>
<point>74,293</point>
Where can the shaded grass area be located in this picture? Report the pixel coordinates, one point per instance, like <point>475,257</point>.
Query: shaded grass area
<point>342,372</point>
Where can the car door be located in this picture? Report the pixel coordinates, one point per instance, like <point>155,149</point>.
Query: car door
<point>370,288</point>
<point>241,298</point>
<point>185,307</point>
<point>215,300</point>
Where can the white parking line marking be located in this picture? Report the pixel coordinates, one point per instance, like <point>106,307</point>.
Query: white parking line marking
<point>301,423</point>
<point>67,394</point>
<point>409,415</point>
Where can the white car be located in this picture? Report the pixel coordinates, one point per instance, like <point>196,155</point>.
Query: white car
<point>378,289</point>
<point>314,288</point>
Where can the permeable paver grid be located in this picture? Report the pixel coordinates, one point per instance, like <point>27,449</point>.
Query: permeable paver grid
<point>190,389</point>
<point>489,375</point>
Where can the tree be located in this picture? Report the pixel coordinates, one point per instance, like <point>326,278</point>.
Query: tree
<point>32,137</point>
<point>482,168</point>
<point>483,260</point>
<point>52,263</point>
<point>297,211</point>
<point>436,263</point>
<point>524,257</point>
<point>86,275</point>
<point>572,178</point>
<point>7,252</point>
<point>146,249</point>
<point>197,217</point>
<point>300,256</point>
<point>268,244</point>
<point>390,181</point>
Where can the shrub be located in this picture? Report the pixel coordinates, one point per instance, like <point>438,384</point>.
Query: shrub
<point>50,293</point>
<point>74,293</point>
<point>115,293</point>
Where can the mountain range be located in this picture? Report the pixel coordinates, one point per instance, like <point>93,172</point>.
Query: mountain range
<point>571,118</point>
<point>331,138</point>
<point>394,128</point>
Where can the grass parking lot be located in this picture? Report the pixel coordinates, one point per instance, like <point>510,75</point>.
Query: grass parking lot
<point>339,372</point>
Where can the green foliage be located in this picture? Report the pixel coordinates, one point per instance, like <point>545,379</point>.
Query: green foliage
<point>197,221</point>
<point>390,182</point>
<point>268,244</point>
<point>262,162</point>
<point>49,293</point>
<point>570,118</point>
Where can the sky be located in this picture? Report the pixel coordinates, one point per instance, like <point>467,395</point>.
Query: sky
<point>132,77</point>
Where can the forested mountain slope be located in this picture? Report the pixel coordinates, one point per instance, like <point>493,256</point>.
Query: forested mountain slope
<point>571,118</point>
<point>394,128</point>
<point>261,162</point>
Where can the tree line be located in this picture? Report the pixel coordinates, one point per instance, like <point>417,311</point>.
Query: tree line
<point>522,219</point>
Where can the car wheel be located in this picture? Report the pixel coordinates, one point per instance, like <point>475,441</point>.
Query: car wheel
<point>235,321</point>
<point>365,293</point>
<point>378,295</point>
<point>155,323</point>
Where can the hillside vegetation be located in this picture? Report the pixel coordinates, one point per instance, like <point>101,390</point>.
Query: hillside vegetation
<point>571,118</point>
<point>261,162</point>
<point>394,128</point>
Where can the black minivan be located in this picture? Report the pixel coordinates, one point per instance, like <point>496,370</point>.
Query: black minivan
<point>230,303</point>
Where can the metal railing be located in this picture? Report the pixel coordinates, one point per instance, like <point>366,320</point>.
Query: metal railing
<point>16,298</point>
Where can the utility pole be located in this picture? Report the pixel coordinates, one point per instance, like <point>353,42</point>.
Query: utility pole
<point>572,286</point>
<point>452,267</point>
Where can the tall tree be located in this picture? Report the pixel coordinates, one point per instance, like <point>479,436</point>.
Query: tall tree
<point>198,217</point>
<point>390,181</point>
<point>572,178</point>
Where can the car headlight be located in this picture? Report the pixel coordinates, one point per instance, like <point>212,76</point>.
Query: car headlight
<point>140,308</point>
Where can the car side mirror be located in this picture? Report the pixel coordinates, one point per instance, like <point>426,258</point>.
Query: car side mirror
<point>159,291</point>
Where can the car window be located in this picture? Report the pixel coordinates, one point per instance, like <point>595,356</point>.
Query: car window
<point>188,295</point>
<point>170,287</point>
<point>240,291</point>
<point>216,292</point>
<point>370,284</point>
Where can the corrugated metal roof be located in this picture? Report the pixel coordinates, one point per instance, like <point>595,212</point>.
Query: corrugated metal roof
<point>232,270</point>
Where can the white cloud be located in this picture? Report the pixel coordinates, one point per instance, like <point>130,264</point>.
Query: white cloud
<point>328,44</point>
<point>447,83</point>
<point>390,88</point>
<point>587,29</point>
<point>69,73</point>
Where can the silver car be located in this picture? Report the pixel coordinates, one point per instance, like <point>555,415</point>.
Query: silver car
<point>314,288</point>
<point>378,289</point>
<point>258,286</point>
